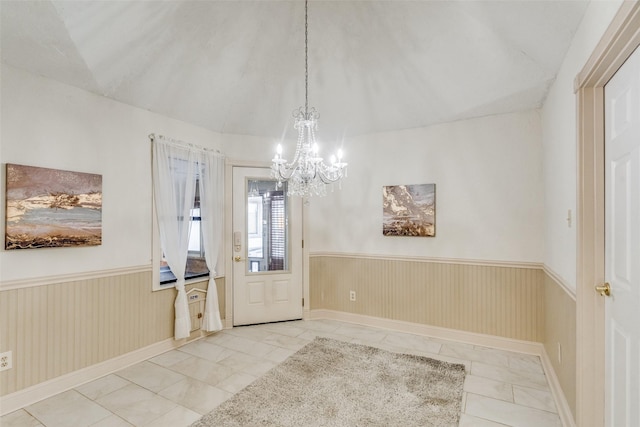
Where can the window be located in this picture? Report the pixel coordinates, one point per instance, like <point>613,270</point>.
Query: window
<point>196,263</point>
<point>254,226</point>
<point>278,231</point>
<point>267,226</point>
<point>188,202</point>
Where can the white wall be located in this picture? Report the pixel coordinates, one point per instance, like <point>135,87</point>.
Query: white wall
<point>489,201</point>
<point>242,148</point>
<point>49,124</point>
<point>559,144</point>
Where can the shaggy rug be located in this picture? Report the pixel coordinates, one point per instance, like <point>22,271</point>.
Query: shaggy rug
<point>333,383</point>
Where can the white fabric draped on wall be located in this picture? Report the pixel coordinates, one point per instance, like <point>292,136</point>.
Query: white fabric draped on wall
<point>175,171</point>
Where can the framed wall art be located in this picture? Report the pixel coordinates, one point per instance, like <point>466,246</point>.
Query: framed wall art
<point>49,208</point>
<point>409,210</point>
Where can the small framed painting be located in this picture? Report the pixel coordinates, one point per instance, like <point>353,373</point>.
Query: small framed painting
<point>49,208</point>
<point>409,210</point>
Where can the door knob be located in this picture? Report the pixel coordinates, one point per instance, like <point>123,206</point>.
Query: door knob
<point>237,258</point>
<point>605,290</point>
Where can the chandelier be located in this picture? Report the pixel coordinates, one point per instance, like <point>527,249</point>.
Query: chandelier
<point>307,174</point>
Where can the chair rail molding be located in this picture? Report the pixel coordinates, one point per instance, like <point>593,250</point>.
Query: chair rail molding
<point>462,261</point>
<point>7,285</point>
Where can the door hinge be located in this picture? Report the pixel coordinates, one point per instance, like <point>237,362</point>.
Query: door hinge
<point>302,243</point>
<point>303,302</point>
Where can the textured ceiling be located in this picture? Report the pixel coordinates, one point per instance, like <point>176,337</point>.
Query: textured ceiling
<point>238,66</point>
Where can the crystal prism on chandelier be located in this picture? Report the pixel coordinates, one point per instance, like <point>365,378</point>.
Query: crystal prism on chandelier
<point>307,174</point>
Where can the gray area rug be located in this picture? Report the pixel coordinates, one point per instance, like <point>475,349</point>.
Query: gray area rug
<point>333,383</point>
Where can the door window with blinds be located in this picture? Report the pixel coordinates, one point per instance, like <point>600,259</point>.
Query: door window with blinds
<point>267,226</point>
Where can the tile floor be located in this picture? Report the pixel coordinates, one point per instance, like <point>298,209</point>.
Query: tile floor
<point>176,388</point>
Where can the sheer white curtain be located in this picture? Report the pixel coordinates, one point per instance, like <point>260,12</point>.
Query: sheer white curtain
<point>174,178</point>
<point>176,169</point>
<point>211,211</point>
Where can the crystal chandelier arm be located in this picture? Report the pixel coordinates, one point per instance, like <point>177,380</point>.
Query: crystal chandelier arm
<point>331,174</point>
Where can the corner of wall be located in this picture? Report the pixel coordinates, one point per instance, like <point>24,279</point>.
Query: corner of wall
<point>560,334</point>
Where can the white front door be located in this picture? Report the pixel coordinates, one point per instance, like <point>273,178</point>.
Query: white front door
<point>622,245</point>
<point>267,249</point>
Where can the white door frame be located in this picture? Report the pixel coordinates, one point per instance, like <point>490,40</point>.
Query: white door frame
<point>618,42</point>
<point>228,241</point>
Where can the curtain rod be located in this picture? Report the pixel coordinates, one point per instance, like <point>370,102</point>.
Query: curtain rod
<point>153,137</point>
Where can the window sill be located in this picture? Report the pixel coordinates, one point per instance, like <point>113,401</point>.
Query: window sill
<point>172,285</point>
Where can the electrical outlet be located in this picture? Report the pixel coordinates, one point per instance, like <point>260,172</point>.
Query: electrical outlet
<point>5,361</point>
<point>352,295</point>
<point>559,354</point>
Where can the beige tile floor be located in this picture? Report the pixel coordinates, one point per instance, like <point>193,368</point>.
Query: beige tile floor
<point>176,388</point>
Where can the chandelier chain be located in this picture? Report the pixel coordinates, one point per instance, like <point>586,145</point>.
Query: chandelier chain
<point>306,57</point>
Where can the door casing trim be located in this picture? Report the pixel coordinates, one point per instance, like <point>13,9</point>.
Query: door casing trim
<point>619,41</point>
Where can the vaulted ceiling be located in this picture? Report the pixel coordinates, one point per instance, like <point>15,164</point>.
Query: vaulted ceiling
<point>238,66</point>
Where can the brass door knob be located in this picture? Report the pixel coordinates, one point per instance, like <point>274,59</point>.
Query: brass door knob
<point>237,258</point>
<point>605,290</point>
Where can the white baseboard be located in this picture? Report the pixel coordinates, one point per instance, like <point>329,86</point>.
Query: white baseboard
<point>509,344</point>
<point>20,399</point>
<point>501,343</point>
<point>561,401</point>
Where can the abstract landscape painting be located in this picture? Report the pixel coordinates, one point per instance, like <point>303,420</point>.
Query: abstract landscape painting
<point>52,208</point>
<point>409,210</point>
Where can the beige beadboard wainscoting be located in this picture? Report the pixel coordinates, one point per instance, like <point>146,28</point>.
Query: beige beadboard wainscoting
<point>560,333</point>
<point>519,307</point>
<point>500,299</point>
<point>63,334</point>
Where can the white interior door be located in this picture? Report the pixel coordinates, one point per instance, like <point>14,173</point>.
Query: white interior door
<point>267,249</point>
<point>622,245</point>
